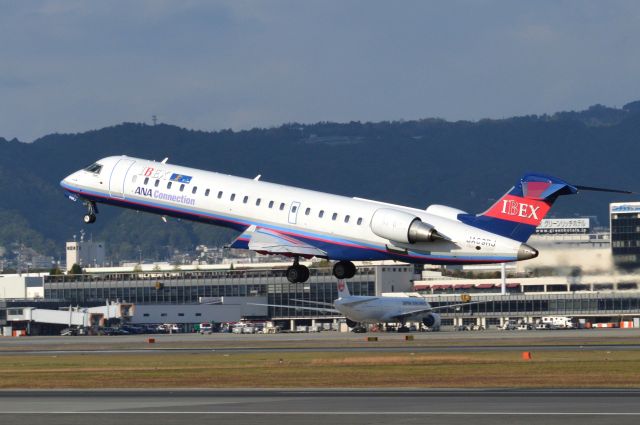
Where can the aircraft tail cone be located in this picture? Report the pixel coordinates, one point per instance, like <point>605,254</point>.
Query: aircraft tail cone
<point>437,235</point>
<point>525,252</point>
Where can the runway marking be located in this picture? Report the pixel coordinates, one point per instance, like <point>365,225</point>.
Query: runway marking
<point>427,413</point>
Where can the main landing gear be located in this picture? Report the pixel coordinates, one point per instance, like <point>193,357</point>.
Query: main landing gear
<point>297,273</point>
<point>92,210</point>
<point>344,270</point>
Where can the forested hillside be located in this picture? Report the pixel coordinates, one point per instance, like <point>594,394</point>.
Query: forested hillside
<point>462,164</point>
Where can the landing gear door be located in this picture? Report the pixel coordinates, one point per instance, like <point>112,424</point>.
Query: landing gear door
<point>293,212</point>
<point>117,179</point>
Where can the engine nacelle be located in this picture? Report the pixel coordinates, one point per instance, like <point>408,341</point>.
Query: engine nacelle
<point>400,226</point>
<point>432,320</point>
<point>445,211</point>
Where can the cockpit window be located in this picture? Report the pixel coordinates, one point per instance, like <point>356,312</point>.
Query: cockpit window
<point>94,168</point>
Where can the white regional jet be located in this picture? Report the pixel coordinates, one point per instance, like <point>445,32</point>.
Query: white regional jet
<point>278,219</point>
<point>359,309</point>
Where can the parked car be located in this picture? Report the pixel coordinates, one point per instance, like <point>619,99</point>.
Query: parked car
<point>525,327</point>
<point>544,326</point>
<point>508,326</point>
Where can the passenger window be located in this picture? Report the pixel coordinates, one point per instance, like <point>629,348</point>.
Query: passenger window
<point>281,206</point>
<point>321,213</point>
<point>157,183</point>
<point>181,187</point>
<point>245,199</point>
<point>307,211</point>
<point>258,202</point>
<point>334,216</point>
<point>270,204</point>
<point>220,195</point>
<point>233,196</point>
<point>359,221</point>
<point>346,218</point>
<point>169,185</point>
<point>195,188</point>
<point>206,192</point>
<point>294,209</point>
<point>146,180</point>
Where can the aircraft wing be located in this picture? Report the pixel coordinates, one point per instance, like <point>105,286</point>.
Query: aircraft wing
<point>299,307</point>
<point>270,241</point>
<point>430,309</point>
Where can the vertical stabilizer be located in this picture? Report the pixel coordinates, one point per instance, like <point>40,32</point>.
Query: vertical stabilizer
<point>343,290</point>
<point>517,214</point>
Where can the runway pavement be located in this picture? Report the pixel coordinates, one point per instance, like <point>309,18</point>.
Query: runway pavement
<point>320,407</point>
<point>490,340</point>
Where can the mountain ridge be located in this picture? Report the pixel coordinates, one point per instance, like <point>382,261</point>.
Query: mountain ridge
<point>465,164</point>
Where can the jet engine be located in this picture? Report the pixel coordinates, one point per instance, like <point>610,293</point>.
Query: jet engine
<point>400,226</point>
<point>432,320</point>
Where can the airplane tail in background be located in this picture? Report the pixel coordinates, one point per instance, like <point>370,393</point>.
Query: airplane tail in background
<point>343,290</point>
<point>517,214</point>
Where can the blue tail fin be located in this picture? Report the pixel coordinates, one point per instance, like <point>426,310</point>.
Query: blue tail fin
<point>517,214</point>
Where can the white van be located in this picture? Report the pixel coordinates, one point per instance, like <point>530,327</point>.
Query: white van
<point>206,328</point>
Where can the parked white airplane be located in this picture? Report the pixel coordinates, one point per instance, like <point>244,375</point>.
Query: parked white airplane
<point>278,219</point>
<point>359,309</point>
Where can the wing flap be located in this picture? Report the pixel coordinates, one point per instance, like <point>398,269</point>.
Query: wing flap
<point>269,241</point>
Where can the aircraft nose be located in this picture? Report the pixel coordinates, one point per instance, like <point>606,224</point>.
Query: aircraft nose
<point>64,181</point>
<point>525,252</point>
<point>67,180</point>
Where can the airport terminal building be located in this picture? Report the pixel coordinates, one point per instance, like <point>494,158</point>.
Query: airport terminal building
<point>257,294</point>
<point>582,272</point>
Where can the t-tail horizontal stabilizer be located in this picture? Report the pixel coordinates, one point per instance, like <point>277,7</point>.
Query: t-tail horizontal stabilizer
<point>602,189</point>
<point>517,214</point>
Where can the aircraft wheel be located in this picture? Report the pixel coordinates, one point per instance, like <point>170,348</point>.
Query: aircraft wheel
<point>304,274</point>
<point>294,273</point>
<point>89,218</point>
<point>344,270</point>
<point>297,274</point>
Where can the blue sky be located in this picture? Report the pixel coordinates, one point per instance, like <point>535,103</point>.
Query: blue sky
<point>71,66</point>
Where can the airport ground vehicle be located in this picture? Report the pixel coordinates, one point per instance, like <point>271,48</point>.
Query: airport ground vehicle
<point>560,322</point>
<point>509,326</point>
<point>205,328</point>
<point>169,328</point>
<point>525,327</point>
<point>544,326</point>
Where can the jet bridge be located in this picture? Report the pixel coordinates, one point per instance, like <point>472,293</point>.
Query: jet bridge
<point>74,316</point>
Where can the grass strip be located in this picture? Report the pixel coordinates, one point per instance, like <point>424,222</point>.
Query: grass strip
<point>547,369</point>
